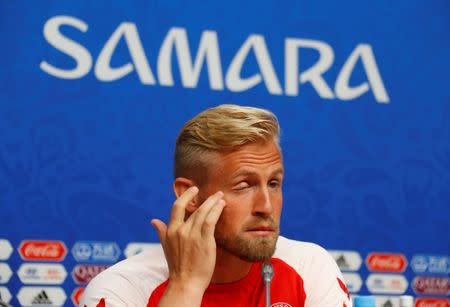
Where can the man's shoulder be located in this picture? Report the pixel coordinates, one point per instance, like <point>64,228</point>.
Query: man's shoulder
<point>304,257</point>
<point>299,250</point>
<point>322,279</point>
<point>130,280</point>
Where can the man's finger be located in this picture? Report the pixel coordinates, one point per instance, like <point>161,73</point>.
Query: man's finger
<point>161,229</point>
<point>197,218</point>
<point>209,224</point>
<point>179,207</point>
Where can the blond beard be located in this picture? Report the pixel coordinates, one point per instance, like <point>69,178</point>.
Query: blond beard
<point>248,249</point>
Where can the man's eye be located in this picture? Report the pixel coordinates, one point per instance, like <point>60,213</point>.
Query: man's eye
<point>241,186</point>
<point>274,184</point>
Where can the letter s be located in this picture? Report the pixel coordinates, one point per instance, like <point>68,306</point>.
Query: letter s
<point>80,54</point>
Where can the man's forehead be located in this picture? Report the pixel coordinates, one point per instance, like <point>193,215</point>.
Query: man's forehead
<point>252,156</point>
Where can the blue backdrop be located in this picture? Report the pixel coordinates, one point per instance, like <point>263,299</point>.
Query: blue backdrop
<point>93,93</point>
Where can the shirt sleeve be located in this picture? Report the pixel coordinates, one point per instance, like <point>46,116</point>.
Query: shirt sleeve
<point>111,290</point>
<point>323,280</point>
<point>129,282</point>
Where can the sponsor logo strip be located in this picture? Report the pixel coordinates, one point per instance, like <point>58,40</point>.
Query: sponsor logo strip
<point>353,281</point>
<point>431,285</point>
<point>83,273</point>
<point>386,283</point>
<point>95,251</point>
<point>5,273</point>
<point>41,296</point>
<point>431,264</point>
<point>387,301</point>
<point>5,249</point>
<point>432,302</point>
<point>33,250</point>
<point>347,260</point>
<point>386,262</point>
<point>42,274</point>
<point>5,295</point>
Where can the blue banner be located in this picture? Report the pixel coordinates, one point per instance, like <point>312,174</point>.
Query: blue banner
<point>93,94</point>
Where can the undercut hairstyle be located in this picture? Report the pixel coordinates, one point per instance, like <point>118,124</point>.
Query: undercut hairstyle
<point>220,129</point>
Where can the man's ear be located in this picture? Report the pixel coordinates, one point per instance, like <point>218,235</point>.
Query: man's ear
<point>180,185</point>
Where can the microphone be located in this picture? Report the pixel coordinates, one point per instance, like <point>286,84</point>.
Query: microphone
<point>267,274</point>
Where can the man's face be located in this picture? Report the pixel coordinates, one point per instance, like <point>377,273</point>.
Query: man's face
<point>250,178</point>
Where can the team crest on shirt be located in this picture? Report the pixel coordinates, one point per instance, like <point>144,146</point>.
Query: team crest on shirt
<point>280,304</point>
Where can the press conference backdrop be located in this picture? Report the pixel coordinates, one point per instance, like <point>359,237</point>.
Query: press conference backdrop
<point>93,93</point>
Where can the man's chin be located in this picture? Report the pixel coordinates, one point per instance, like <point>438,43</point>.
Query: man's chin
<point>249,247</point>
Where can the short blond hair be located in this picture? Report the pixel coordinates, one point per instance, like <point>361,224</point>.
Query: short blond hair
<point>220,129</point>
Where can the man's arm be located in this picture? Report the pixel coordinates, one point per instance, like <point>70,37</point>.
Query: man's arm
<point>190,249</point>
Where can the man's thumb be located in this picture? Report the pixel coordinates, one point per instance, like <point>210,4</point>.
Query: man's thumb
<point>161,228</point>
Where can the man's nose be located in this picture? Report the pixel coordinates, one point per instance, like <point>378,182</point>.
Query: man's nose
<point>262,203</point>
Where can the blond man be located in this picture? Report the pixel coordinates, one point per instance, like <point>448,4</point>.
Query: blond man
<point>224,228</point>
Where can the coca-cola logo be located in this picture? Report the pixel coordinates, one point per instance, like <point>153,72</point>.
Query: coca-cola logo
<point>432,302</point>
<point>42,250</point>
<point>386,262</point>
<point>83,273</point>
<point>431,285</point>
<point>76,295</point>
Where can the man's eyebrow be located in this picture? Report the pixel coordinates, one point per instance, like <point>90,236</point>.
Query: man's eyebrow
<point>277,172</point>
<point>247,172</point>
<point>243,172</point>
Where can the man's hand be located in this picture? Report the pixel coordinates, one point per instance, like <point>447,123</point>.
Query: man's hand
<point>190,248</point>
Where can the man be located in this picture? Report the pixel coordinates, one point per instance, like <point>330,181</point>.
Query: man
<point>223,226</point>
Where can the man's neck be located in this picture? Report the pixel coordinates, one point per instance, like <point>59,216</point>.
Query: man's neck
<point>229,268</point>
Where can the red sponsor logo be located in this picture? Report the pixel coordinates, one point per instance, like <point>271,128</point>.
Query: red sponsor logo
<point>83,273</point>
<point>76,295</point>
<point>432,302</point>
<point>386,262</point>
<point>431,285</point>
<point>42,250</point>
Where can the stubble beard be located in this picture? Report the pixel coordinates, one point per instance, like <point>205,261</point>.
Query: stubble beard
<point>252,249</point>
